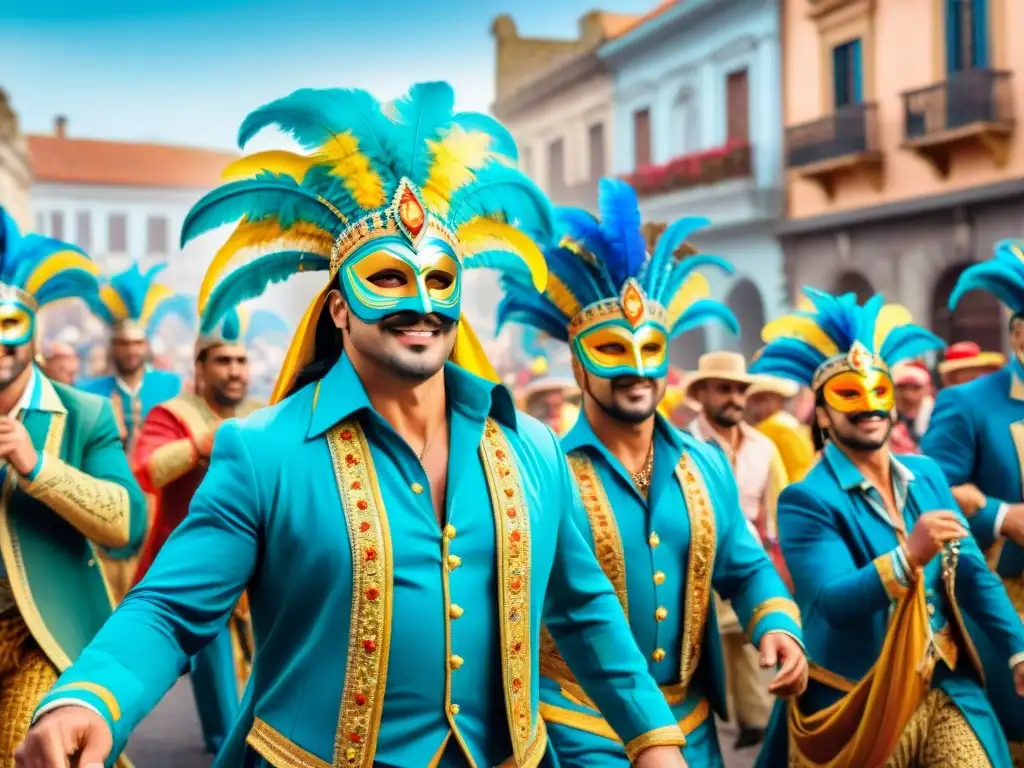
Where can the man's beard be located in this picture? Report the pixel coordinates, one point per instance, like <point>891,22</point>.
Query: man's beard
<point>413,367</point>
<point>855,443</point>
<point>728,416</point>
<point>220,396</point>
<point>613,411</point>
<point>17,367</point>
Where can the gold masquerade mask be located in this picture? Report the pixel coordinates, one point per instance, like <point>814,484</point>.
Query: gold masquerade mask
<point>856,382</point>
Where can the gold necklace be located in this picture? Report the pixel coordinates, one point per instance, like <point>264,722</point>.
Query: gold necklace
<point>430,442</point>
<point>642,479</point>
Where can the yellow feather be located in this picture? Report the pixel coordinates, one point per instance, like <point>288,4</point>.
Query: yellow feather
<point>481,234</point>
<point>469,354</point>
<point>694,289</point>
<point>889,317</point>
<point>456,159</point>
<point>276,161</point>
<point>1015,249</point>
<point>805,305</point>
<point>558,293</point>
<point>353,167</point>
<point>803,328</point>
<point>56,263</point>
<point>114,303</point>
<point>262,234</point>
<point>156,296</point>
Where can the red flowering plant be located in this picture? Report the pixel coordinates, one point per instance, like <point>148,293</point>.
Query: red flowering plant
<point>709,166</point>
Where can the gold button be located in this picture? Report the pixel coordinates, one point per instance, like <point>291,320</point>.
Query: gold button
<point>416,488</point>
<point>454,709</point>
<point>653,540</point>
<point>661,614</point>
<point>659,577</point>
<point>454,561</point>
<point>659,654</point>
<point>931,609</point>
<point>455,661</point>
<point>455,611</point>
<point>91,562</point>
<point>449,531</point>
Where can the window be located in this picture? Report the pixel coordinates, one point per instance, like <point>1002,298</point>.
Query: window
<point>526,161</point>
<point>737,106</point>
<point>595,142</point>
<point>966,34</point>
<point>847,84</point>
<point>83,230</point>
<point>641,138</point>
<point>57,225</point>
<point>156,235</point>
<point>41,223</point>
<point>556,166</point>
<point>117,233</point>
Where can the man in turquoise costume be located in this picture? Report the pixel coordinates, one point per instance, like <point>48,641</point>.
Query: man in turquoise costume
<point>399,527</point>
<point>884,568</point>
<point>65,486</point>
<point>976,434</point>
<point>660,508</point>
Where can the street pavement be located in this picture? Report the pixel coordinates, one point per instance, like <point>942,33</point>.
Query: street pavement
<point>170,737</point>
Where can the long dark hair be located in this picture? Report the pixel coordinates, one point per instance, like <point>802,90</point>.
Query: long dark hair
<point>819,435</point>
<point>327,350</point>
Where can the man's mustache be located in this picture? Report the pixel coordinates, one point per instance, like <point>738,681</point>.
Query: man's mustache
<point>857,418</point>
<point>625,382</point>
<point>408,318</point>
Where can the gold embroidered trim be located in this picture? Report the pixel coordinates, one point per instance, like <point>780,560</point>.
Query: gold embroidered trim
<point>699,567</point>
<point>666,736</point>
<point>172,461</point>
<point>887,574</point>
<point>605,530</point>
<point>279,751</point>
<point>773,605</point>
<point>512,527</point>
<point>372,581</point>
<point>99,509</point>
<point>598,726</point>
<point>534,751</point>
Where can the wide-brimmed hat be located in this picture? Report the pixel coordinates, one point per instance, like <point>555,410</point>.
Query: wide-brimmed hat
<point>774,385</point>
<point>728,366</point>
<point>543,384</point>
<point>967,354</point>
<point>910,375</point>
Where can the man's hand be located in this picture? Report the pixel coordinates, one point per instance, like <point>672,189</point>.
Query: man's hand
<point>1018,679</point>
<point>778,648</point>
<point>16,445</point>
<point>660,757</point>
<point>931,531</point>
<point>204,444</point>
<point>1013,524</point>
<point>64,734</point>
<point>969,498</point>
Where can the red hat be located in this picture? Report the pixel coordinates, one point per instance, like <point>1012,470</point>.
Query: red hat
<point>967,354</point>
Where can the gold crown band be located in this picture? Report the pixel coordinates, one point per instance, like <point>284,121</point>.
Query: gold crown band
<point>847,362</point>
<point>13,293</point>
<point>607,309</point>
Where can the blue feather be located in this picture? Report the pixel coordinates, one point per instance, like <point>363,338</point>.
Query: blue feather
<point>658,270</point>
<point>682,269</point>
<point>908,342</point>
<point>700,313</point>
<point>133,286</point>
<point>250,280</point>
<point>620,224</point>
<point>264,323</point>
<point>231,326</point>
<point>69,284</point>
<point>32,250</point>
<point>505,192</point>
<point>182,306</point>
<point>501,140</point>
<point>424,113</point>
<point>534,314</point>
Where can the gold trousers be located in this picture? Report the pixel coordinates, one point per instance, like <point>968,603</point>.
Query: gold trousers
<point>26,676</point>
<point>938,736</point>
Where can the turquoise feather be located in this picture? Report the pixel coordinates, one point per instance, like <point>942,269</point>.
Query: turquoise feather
<point>504,191</point>
<point>425,113</point>
<point>501,140</point>
<point>996,277</point>
<point>674,235</point>
<point>702,312</point>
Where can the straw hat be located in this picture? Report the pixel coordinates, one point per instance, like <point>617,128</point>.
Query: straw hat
<point>728,366</point>
<point>773,385</point>
<point>910,375</point>
<point>544,384</point>
<point>967,354</point>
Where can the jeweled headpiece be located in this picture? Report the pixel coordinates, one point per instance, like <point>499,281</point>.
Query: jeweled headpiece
<point>605,293</point>
<point>408,186</point>
<point>132,303</point>
<point>36,271</point>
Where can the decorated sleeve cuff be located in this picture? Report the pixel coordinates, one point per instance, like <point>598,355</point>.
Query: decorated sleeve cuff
<point>776,614</point>
<point>171,461</point>
<point>997,527</point>
<point>666,736</point>
<point>63,702</point>
<point>894,572</point>
<point>82,694</point>
<point>34,472</point>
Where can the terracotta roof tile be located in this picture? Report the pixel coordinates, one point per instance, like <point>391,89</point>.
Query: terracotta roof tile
<point>643,19</point>
<point>65,160</point>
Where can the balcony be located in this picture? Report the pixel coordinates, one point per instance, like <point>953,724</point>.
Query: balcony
<point>842,144</point>
<point>731,161</point>
<point>974,108</point>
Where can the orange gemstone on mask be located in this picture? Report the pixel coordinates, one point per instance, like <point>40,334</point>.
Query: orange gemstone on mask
<point>411,213</point>
<point>632,304</point>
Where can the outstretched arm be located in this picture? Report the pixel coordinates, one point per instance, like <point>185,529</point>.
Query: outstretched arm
<point>181,604</point>
<point>164,451</point>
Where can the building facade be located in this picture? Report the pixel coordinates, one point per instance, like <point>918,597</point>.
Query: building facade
<point>903,150</point>
<point>697,129</point>
<point>15,172</point>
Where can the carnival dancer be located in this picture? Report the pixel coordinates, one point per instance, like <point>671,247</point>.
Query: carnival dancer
<point>391,502</point>
<point>171,458</point>
<point>64,486</point>
<point>884,566</point>
<point>766,404</point>
<point>618,311</point>
<point>976,435</point>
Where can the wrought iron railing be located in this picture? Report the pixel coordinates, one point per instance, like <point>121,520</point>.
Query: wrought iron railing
<point>967,97</point>
<point>850,130</point>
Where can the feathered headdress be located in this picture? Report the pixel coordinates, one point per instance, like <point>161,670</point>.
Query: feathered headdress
<point>132,301</point>
<point>1002,276</point>
<point>811,346</point>
<point>36,270</point>
<point>371,169</point>
<point>600,269</point>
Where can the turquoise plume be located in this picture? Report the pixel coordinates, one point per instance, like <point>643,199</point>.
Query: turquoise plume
<point>1002,276</point>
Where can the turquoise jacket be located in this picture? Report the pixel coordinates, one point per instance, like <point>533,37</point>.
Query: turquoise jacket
<point>80,494</point>
<point>382,637</point>
<point>840,546</point>
<point>131,409</point>
<point>976,434</point>
<point>664,555</point>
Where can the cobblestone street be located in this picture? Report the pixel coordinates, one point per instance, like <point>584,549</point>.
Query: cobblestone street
<point>170,737</point>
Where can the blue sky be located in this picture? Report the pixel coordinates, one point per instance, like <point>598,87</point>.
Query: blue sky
<point>188,71</point>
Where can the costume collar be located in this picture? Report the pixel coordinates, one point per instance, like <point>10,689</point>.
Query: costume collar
<point>341,394</point>
<point>851,478</point>
<point>582,436</point>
